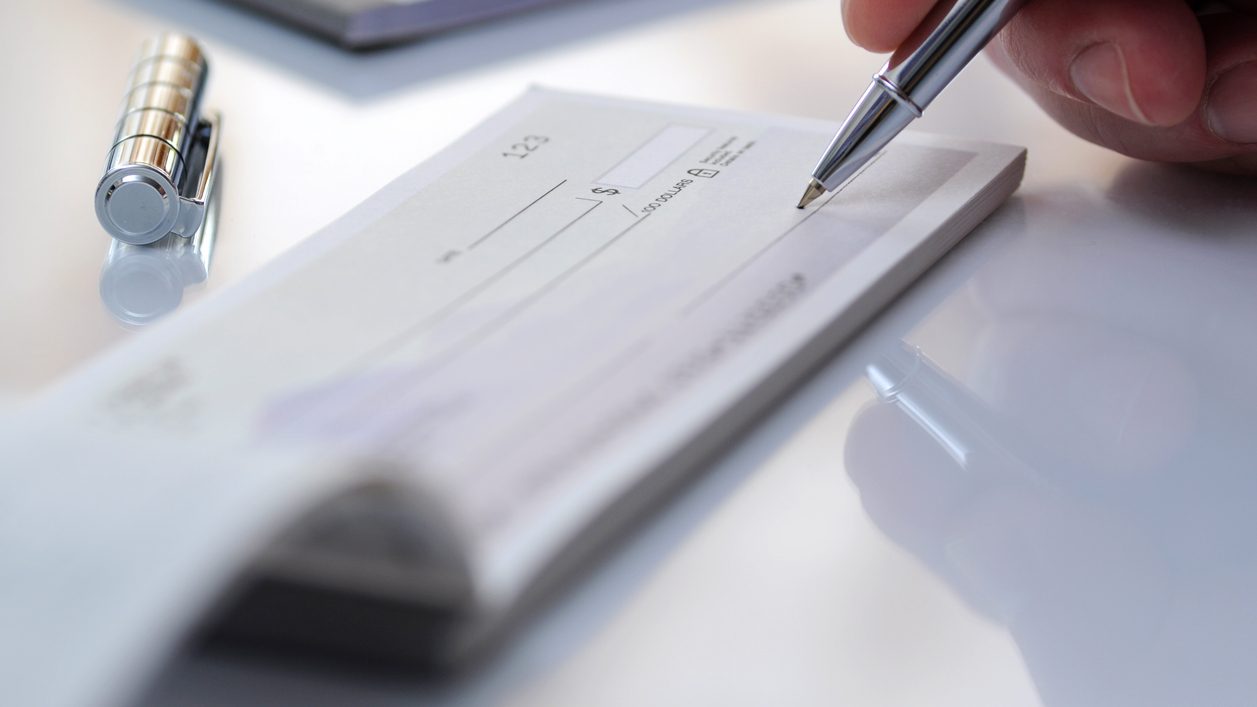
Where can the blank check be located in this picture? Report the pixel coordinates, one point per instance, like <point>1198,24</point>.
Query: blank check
<point>559,313</point>
<point>416,424</point>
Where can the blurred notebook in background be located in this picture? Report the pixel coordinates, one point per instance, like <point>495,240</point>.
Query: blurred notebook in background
<point>360,24</point>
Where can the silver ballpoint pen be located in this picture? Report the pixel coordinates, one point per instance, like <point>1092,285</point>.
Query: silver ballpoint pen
<point>945,42</point>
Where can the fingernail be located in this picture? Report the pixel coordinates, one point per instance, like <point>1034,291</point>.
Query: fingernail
<point>1099,73</point>
<point>1232,106</point>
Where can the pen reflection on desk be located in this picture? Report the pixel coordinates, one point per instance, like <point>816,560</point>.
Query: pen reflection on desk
<point>1112,584</point>
<point>934,54</point>
<point>971,434</point>
<point>140,284</point>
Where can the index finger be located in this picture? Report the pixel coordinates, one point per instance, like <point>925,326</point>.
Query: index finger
<point>883,25</point>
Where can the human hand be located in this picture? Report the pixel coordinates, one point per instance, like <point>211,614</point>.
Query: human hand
<point>1152,79</point>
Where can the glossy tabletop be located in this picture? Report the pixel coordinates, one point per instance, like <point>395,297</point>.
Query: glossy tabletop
<point>1030,481</point>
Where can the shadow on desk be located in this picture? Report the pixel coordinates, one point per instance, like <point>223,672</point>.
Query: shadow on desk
<point>373,74</point>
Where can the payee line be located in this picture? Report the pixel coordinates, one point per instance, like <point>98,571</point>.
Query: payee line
<point>516,215</point>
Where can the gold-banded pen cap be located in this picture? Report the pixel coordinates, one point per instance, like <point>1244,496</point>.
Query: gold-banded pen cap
<point>159,171</point>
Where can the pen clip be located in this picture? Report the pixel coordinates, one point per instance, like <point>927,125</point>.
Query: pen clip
<point>204,154</point>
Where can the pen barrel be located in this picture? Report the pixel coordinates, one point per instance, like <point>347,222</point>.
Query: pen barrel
<point>148,163</point>
<point>949,38</point>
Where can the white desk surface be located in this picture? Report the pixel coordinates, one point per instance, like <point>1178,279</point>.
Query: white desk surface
<point>837,556</point>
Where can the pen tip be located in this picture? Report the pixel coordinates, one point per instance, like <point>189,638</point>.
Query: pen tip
<point>814,190</point>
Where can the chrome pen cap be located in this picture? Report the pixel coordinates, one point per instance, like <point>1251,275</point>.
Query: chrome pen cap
<point>160,170</point>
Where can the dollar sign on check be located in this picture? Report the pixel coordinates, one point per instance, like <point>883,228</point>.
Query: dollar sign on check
<point>604,190</point>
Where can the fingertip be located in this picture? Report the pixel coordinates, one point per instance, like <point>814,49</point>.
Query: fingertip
<point>1101,74</point>
<point>859,20</point>
<point>846,22</point>
<point>1167,64</point>
<point>882,25</point>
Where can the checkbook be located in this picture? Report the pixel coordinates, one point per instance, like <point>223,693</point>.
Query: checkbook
<point>402,436</point>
